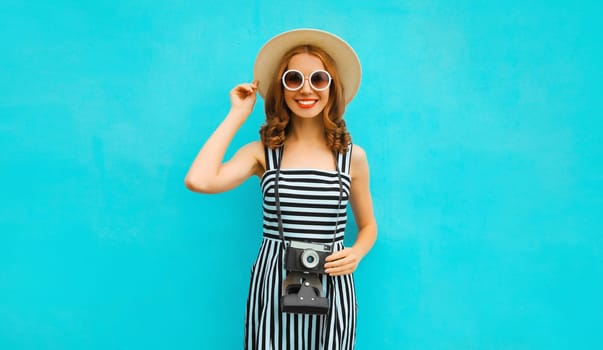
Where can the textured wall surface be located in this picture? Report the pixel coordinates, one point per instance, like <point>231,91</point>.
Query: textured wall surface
<point>482,122</point>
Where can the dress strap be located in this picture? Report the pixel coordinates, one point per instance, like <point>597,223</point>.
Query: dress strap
<point>344,160</point>
<point>272,157</point>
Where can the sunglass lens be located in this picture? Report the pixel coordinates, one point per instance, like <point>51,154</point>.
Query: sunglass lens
<point>320,80</point>
<point>293,80</point>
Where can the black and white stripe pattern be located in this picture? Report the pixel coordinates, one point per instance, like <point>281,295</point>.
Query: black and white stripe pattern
<point>310,208</point>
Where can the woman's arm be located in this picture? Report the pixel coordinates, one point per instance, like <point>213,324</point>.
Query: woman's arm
<point>345,261</point>
<point>208,174</point>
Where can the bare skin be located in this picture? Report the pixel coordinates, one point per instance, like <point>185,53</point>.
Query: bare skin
<point>306,148</point>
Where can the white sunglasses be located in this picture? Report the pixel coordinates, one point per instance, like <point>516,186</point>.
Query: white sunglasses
<point>294,80</point>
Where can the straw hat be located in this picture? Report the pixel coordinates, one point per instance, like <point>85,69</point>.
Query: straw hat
<point>348,64</point>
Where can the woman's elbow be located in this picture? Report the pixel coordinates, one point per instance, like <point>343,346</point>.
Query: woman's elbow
<point>197,185</point>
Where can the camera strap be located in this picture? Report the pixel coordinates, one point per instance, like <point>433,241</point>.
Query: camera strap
<point>278,202</point>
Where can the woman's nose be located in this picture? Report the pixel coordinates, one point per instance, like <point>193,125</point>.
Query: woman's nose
<point>306,88</point>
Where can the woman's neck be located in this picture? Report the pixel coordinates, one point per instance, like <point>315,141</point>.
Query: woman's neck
<point>307,130</point>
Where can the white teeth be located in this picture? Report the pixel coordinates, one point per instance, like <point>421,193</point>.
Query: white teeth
<point>305,103</point>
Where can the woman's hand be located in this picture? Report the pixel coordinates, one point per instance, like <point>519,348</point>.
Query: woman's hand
<point>342,262</point>
<point>243,96</point>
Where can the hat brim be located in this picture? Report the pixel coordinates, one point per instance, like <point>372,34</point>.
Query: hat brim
<point>346,60</point>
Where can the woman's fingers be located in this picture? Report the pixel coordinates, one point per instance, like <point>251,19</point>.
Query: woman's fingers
<point>342,262</point>
<point>341,270</point>
<point>244,90</point>
<point>242,96</point>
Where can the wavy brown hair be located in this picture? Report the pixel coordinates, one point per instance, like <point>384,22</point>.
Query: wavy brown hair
<point>278,115</point>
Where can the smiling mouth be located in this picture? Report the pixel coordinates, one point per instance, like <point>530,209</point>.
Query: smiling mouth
<point>306,103</point>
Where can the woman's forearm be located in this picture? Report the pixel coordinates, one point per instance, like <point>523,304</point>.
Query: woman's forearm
<point>365,239</point>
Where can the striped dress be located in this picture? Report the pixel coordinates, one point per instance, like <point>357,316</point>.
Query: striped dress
<point>309,201</point>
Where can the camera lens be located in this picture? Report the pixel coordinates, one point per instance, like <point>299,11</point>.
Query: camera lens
<point>309,258</point>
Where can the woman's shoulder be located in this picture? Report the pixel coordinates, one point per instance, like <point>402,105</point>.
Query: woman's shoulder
<point>255,149</point>
<point>256,146</point>
<point>359,161</point>
<point>358,153</point>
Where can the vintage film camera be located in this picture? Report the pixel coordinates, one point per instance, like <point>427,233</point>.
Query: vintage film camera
<point>307,257</point>
<point>302,289</point>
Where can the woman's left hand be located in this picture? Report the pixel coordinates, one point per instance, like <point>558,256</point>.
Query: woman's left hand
<point>342,262</point>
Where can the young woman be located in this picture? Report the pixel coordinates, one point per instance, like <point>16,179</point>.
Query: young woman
<point>309,170</point>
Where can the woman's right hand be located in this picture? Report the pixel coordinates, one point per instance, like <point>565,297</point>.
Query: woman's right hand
<point>243,96</point>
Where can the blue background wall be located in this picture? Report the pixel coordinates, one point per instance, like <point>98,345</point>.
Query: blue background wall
<point>482,122</point>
